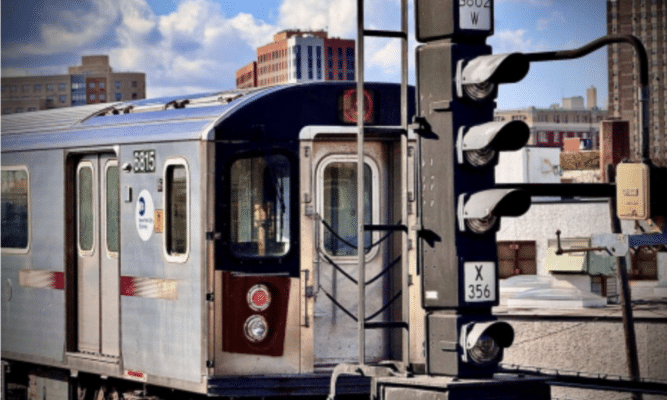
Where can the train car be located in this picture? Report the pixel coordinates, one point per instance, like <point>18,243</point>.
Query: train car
<point>198,244</point>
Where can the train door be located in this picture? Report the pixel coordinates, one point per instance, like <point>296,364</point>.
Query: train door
<point>97,248</point>
<point>335,252</point>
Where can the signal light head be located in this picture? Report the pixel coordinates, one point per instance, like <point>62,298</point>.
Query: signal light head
<point>479,78</point>
<point>259,297</point>
<point>480,143</point>
<point>479,213</point>
<point>483,342</point>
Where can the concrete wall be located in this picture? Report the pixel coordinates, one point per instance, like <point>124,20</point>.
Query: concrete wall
<point>588,345</point>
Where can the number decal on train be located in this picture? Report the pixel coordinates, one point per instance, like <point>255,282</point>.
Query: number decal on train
<point>144,161</point>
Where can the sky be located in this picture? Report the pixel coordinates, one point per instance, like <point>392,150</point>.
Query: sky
<point>194,46</point>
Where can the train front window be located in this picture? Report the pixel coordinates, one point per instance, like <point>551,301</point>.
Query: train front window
<point>15,209</point>
<point>260,206</point>
<point>340,207</point>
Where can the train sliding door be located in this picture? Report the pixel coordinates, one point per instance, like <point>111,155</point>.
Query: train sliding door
<point>335,266</point>
<point>97,248</point>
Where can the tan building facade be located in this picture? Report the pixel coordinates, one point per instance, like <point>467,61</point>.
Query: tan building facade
<point>549,127</point>
<point>647,20</point>
<point>91,82</point>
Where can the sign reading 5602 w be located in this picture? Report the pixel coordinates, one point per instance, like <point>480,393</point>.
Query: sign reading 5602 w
<point>144,161</point>
<point>475,14</point>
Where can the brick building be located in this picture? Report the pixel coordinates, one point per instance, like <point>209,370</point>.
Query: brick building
<point>91,82</point>
<point>647,20</point>
<point>297,56</point>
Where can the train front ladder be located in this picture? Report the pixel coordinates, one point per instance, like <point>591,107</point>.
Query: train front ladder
<point>361,367</point>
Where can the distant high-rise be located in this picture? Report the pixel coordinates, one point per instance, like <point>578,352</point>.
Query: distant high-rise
<point>646,19</point>
<point>91,82</point>
<point>299,56</point>
<point>591,98</point>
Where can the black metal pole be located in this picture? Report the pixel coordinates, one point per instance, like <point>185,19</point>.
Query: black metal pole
<point>642,59</point>
<point>626,297</point>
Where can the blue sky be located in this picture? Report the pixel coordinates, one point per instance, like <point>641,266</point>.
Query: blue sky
<point>189,46</point>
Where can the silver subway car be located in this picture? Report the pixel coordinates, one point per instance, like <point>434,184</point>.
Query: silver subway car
<point>197,244</point>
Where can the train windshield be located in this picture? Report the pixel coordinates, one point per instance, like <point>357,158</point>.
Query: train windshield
<point>260,206</point>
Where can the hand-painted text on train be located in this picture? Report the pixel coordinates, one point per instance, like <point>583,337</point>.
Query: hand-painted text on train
<point>475,14</point>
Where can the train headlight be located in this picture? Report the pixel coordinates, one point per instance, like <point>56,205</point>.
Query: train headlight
<point>256,329</point>
<point>259,297</point>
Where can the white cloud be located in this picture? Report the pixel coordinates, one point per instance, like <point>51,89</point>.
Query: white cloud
<point>511,41</point>
<point>336,16</point>
<point>535,3</point>
<point>554,18</point>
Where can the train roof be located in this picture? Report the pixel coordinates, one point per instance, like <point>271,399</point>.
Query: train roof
<point>278,112</point>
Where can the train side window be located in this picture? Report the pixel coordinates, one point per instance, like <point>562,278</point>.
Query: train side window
<point>15,209</point>
<point>176,210</point>
<point>339,205</point>
<point>260,206</point>
<point>86,227</point>
<point>112,199</point>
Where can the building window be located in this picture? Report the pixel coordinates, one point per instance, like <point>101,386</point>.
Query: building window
<point>25,88</point>
<point>91,85</point>
<point>319,62</point>
<point>62,87</point>
<point>15,208</point>
<point>176,210</point>
<point>134,96</point>
<point>260,206</point>
<point>31,109</point>
<point>102,97</point>
<point>92,97</point>
<point>541,137</point>
<point>349,53</point>
<point>102,85</point>
<point>644,264</point>
<point>7,111</point>
<point>118,96</point>
<point>134,83</point>
<point>117,84</point>
<point>62,98</point>
<point>297,56</point>
<point>19,110</point>
<point>340,62</point>
<point>49,87</point>
<point>516,258</point>
<point>310,62</point>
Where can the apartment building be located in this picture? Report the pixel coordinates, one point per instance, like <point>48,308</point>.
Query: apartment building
<point>94,81</point>
<point>297,56</point>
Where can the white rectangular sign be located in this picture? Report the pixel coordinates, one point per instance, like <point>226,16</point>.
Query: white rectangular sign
<point>480,281</point>
<point>475,14</point>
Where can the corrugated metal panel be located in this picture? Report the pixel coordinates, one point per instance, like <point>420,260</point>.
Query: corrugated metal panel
<point>49,120</point>
<point>106,136</point>
<point>123,122</point>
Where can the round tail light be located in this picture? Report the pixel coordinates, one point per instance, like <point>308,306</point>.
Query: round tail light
<point>256,328</point>
<point>259,297</point>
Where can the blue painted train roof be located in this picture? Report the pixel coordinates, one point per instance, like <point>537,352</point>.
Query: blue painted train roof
<point>208,116</point>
